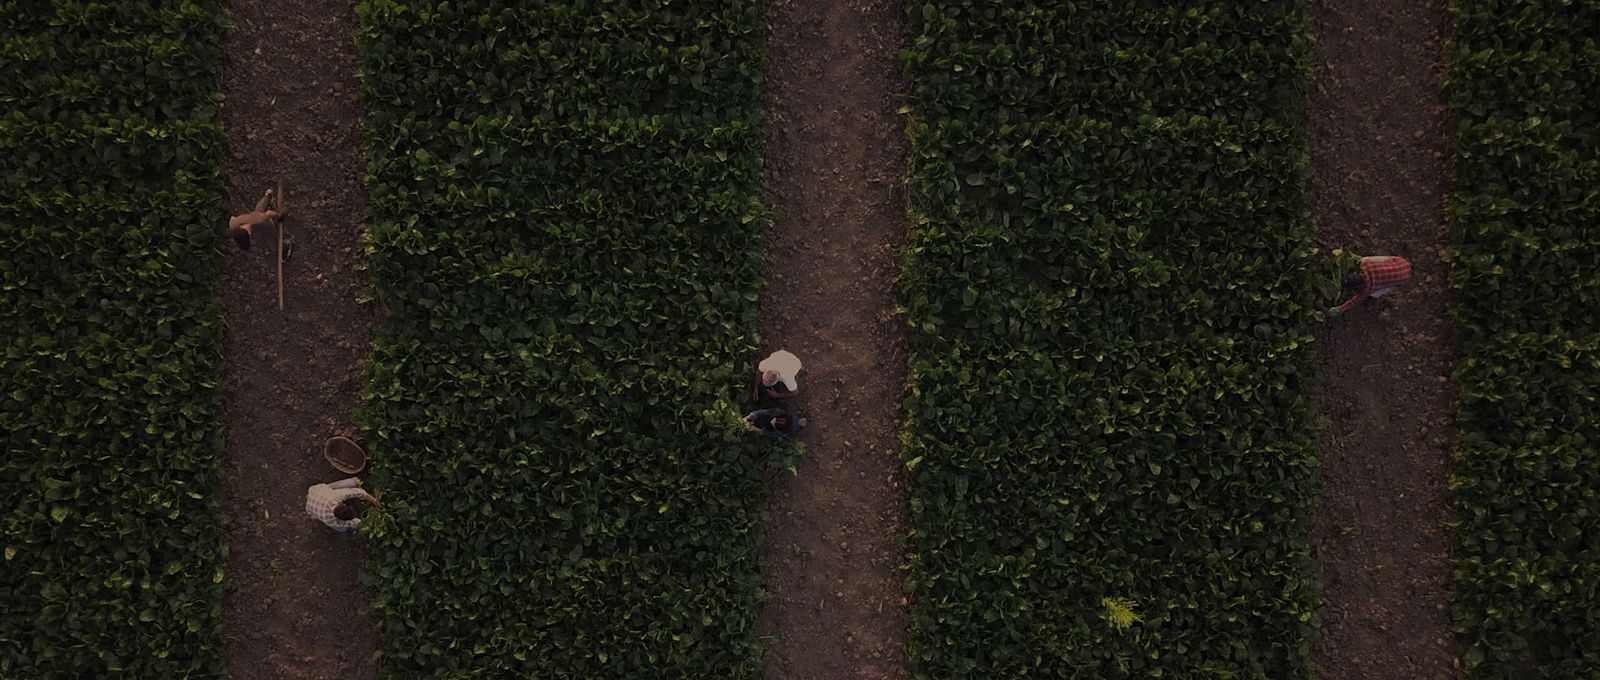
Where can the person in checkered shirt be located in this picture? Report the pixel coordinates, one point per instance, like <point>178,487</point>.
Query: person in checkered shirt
<point>332,503</point>
<point>1378,276</point>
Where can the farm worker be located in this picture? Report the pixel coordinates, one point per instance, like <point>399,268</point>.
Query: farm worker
<point>775,377</point>
<point>242,227</point>
<point>1378,276</point>
<point>773,422</point>
<point>331,503</point>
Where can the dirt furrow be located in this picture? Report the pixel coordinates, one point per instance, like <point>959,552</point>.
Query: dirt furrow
<point>835,167</point>
<point>294,608</point>
<point>1380,156</point>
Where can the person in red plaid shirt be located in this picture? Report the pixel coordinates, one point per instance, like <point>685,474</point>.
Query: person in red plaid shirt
<point>1378,276</point>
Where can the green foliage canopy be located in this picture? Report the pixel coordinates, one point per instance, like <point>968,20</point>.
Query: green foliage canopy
<point>1111,451</point>
<point>564,205</point>
<point>1525,226</point>
<point>110,340</point>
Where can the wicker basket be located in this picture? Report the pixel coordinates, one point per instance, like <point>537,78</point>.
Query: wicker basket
<point>344,455</point>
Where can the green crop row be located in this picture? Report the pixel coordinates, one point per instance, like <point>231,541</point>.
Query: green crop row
<point>110,340</point>
<point>1525,226</point>
<point>1111,452</point>
<point>565,200</point>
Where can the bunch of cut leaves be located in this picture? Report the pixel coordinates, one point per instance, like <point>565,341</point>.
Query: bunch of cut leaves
<point>110,339</point>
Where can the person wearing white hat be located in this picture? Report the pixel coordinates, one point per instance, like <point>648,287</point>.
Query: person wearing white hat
<point>775,377</point>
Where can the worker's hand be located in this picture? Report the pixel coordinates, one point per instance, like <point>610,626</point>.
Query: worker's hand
<point>371,498</point>
<point>1333,313</point>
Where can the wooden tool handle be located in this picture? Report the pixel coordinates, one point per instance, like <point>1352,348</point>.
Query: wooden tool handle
<point>282,205</point>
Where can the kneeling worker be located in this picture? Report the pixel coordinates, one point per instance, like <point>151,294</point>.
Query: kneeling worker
<point>332,503</point>
<point>780,421</point>
<point>242,227</point>
<point>1379,275</point>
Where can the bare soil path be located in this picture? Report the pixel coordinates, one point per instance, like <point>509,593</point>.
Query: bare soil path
<point>1380,152</point>
<point>836,167</point>
<point>294,608</point>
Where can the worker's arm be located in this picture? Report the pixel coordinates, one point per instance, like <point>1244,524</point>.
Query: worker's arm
<point>1368,276</point>
<point>750,424</point>
<point>777,390</point>
<point>349,493</point>
<point>1353,301</point>
<point>253,218</point>
<point>347,483</point>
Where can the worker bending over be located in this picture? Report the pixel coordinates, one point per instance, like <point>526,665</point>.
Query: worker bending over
<point>333,504</point>
<point>242,227</point>
<point>776,377</point>
<point>779,421</point>
<point>1378,276</point>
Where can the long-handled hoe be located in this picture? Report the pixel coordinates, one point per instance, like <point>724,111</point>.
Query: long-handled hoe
<point>282,226</point>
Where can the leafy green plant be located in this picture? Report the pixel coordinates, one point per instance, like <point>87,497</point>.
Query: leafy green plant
<point>1110,294</point>
<point>564,202</point>
<point>1525,224</point>
<point>1328,269</point>
<point>1120,612</point>
<point>110,340</point>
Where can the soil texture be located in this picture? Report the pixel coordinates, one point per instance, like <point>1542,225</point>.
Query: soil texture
<point>1380,149</point>
<point>836,163</point>
<point>294,608</point>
